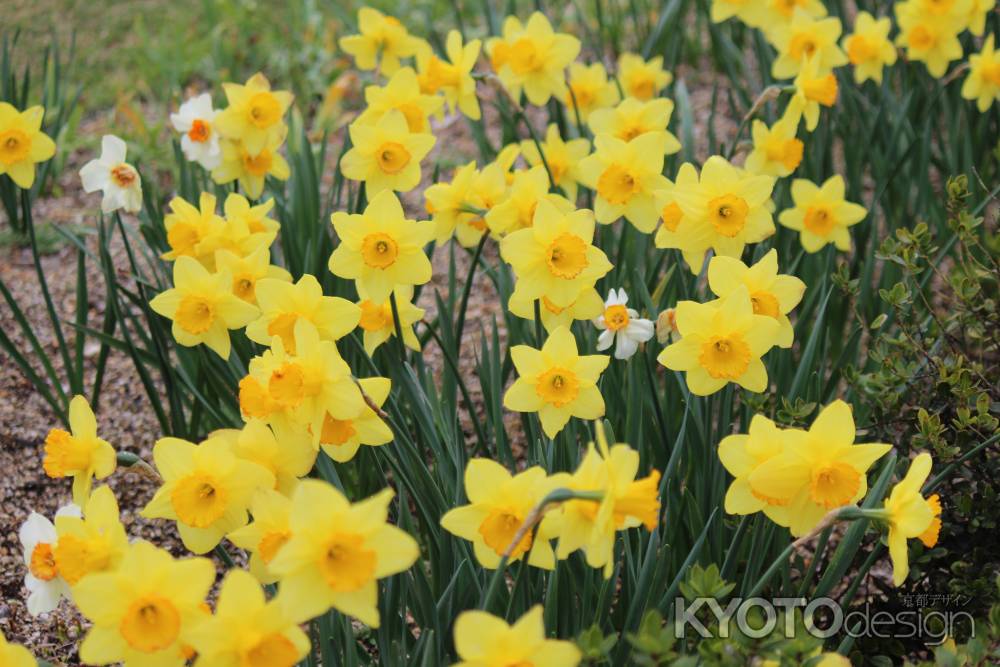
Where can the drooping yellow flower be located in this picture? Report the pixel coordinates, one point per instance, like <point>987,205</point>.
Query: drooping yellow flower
<point>929,36</point>
<point>776,151</point>
<point>976,18</point>
<point>483,640</point>
<point>342,438</point>
<point>498,505</point>
<point>626,502</point>
<point>982,83</point>
<point>721,342</point>
<point>624,175</point>
<point>562,157</point>
<point>380,248</point>
<point>556,382</point>
<point>452,77</point>
<point>254,115</point>
<point>266,533</point>
<point>821,215</point>
<point>15,655</point>
<point>287,460</point>
<point>586,306</point>
<point>589,89</point>
<point>206,489</point>
<point>79,454</point>
<point>805,37</point>
<point>742,454</point>
<point>632,118</point>
<point>452,206</point>
<point>338,551</point>
<point>516,209</point>
<point>555,258</point>
<point>250,169</point>
<point>22,143</point>
<point>282,304</point>
<point>193,232</point>
<point>246,271</point>
<point>725,209</point>
<point>381,42</point>
<point>403,94</point>
<point>143,611</point>
<point>814,87</point>
<point>771,293</point>
<point>532,58</point>
<point>93,543</point>
<point>869,48</point>
<point>821,469</point>
<point>203,307</point>
<point>248,630</point>
<point>377,321</point>
<point>642,79</point>
<point>386,155</point>
<point>294,392</point>
<point>910,515</point>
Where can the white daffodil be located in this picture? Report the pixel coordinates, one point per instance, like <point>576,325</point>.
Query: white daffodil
<point>195,121</point>
<point>44,583</point>
<point>623,324</point>
<point>116,178</point>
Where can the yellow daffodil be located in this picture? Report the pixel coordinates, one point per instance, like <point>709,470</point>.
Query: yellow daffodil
<point>725,209</point>
<point>821,469</point>
<point>246,271</point>
<point>771,14</point>
<point>254,115</point>
<point>516,210</point>
<point>805,37</point>
<point>250,169</point>
<point>624,175</point>
<point>264,536</point>
<point>555,258</point>
<point>246,629</point>
<point>143,611</point>
<point>287,460</point>
<point>742,454</point>
<point>23,144</point>
<point>245,219</point>
<point>532,58</point>
<point>338,551</point>
<point>722,342</point>
<point>79,454</point>
<point>869,48</point>
<point>814,87</point>
<point>452,77</point>
<point>386,155</point>
<point>771,294</point>
<point>15,655</point>
<point>295,392</point>
<point>910,515</point>
<point>982,83</point>
<point>380,248</point>
<point>975,20</point>
<point>95,542</point>
<point>626,502</point>
<point>282,304</point>
<point>556,382</point>
<point>589,89</point>
<point>562,157</point>
<point>776,151</point>
<point>203,307</point>
<point>747,11</point>
<point>633,118</point>
<point>403,94</point>
<point>586,306</point>
<point>483,640</point>
<point>642,79</point>
<point>928,36</point>
<point>821,215</point>
<point>378,324</point>
<point>342,438</point>
<point>206,489</point>
<point>452,206</point>
<point>193,232</point>
<point>381,42</point>
<point>498,505</point>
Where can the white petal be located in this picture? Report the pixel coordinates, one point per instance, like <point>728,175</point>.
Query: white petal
<point>605,339</point>
<point>95,176</point>
<point>625,348</point>
<point>113,149</point>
